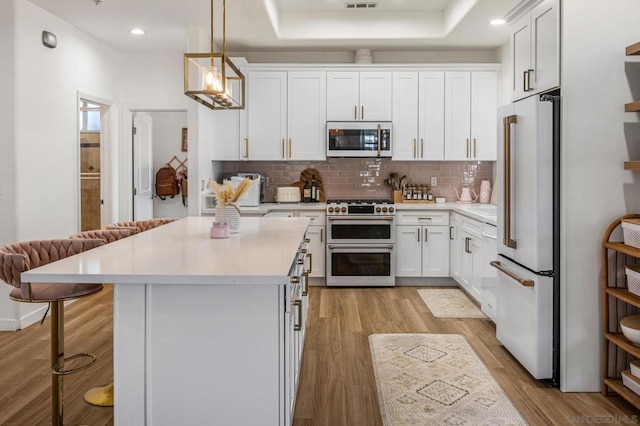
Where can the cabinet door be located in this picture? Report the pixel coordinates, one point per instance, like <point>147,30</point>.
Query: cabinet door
<point>267,115</point>
<point>375,96</point>
<point>307,115</point>
<point>226,144</point>
<point>457,116</point>
<point>545,48</point>
<point>466,261</point>
<point>476,274</point>
<point>317,250</point>
<point>454,247</point>
<point>484,104</point>
<point>520,55</point>
<point>408,251</point>
<point>405,116</point>
<point>435,251</point>
<point>431,116</point>
<point>342,96</point>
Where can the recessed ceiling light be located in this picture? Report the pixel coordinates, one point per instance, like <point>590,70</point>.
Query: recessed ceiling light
<point>137,31</point>
<point>497,22</point>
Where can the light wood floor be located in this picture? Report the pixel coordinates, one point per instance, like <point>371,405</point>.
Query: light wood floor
<point>337,385</point>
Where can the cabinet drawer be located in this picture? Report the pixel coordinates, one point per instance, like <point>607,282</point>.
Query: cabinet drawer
<point>317,218</point>
<point>472,227</point>
<point>423,218</point>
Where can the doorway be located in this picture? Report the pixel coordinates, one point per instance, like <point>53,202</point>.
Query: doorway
<point>91,153</point>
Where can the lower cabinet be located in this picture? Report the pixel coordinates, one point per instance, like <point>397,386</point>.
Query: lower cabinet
<point>422,250</point>
<point>317,242</point>
<point>454,247</point>
<point>470,252</point>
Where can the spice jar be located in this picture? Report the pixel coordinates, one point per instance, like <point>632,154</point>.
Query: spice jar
<point>220,230</point>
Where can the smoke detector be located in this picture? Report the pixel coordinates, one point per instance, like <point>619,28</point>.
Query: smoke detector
<point>364,5</point>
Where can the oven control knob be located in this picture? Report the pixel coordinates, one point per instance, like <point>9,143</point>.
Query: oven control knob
<point>384,210</point>
<point>330,209</point>
<point>378,209</point>
<point>343,209</point>
<point>391,209</point>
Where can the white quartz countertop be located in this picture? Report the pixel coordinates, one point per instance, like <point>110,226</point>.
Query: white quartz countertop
<point>182,252</point>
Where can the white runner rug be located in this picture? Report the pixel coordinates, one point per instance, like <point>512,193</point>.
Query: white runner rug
<point>450,303</point>
<point>436,379</point>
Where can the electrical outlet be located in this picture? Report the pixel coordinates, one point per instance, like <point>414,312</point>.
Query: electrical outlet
<point>434,181</point>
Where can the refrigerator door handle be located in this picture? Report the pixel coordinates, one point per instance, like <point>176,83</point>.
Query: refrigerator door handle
<point>496,264</point>
<point>506,126</point>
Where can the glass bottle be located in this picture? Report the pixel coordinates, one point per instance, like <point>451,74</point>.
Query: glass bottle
<point>306,192</point>
<point>314,190</point>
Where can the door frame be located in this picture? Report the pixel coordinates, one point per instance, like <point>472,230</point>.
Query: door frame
<point>107,185</point>
<point>125,154</point>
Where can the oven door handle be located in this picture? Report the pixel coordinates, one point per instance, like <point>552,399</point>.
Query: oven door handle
<point>333,246</point>
<point>388,218</point>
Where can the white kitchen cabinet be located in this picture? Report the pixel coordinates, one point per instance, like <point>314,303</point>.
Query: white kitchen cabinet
<point>317,241</point>
<point>488,274</point>
<point>418,115</point>
<point>471,99</point>
<point>535,50</point>
<point>470,237</point>
<point>422,244</point>
<point>359,96</point>
<point>454,247</point>
<point>226,136</point>
<point>266,115</point>
<point>307,116</point>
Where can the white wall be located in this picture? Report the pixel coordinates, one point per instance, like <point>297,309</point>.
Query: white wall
<point>167,135</point>
<point>597,136</point>
<point>46,133</point>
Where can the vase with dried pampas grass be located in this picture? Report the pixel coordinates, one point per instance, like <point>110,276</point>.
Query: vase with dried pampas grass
<point>226,197</point>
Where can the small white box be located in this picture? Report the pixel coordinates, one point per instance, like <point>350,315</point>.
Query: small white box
<point>631,232</point>
<point>631,381</point>
<point>440,200</point>
<point>633,279</point>
<point>635,368</point>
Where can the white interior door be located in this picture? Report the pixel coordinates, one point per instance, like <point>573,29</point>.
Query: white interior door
<point>142,166</point>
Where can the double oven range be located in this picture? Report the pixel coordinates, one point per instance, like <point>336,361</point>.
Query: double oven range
<point>360,243</point>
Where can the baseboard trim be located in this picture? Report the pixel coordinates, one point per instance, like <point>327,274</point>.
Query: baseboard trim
<point>426,282</point>
<point>12,324</point>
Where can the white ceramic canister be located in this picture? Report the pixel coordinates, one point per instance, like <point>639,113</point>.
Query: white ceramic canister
<point>485,192</point>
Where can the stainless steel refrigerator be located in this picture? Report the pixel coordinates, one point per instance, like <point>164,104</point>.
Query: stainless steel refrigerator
<point>528,184</point>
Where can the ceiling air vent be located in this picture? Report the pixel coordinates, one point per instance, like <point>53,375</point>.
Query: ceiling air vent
<point>361,5</point>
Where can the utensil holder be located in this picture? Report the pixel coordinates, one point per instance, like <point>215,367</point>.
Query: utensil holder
<point>397,196</point>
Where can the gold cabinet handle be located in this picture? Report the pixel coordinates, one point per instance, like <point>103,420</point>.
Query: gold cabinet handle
<point>414,148</point>
<point>475,148</point>
<point>283,148</point>
<point>379,137</point>
<point>305,287</point>
<point>310,255</point>
<point>426,235</point>
<point>506,178</point>
<point>422,148</point>
<point>295,280</point>
<point>467,148</point>
<point>321,235</point>
<point>529,80</point>
<point>289,147</point>
<point>362,112</point>
<point>355,112</point>
<point>246,147</point>
<point>527,283</point>
<point>524,81</point>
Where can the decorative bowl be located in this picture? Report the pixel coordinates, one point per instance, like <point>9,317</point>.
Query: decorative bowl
<point>631,328</point>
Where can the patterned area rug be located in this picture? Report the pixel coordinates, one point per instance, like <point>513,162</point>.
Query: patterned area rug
<point>436,379</point>
<point>450,303</point>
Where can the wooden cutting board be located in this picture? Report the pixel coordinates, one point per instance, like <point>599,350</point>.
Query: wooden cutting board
<point>307,176</point>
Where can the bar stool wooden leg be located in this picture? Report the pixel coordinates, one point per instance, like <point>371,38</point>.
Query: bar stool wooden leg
<point>57,362</point>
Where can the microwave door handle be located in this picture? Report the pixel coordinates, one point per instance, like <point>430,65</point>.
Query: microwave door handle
<point>506,127</point>
<point>379,137</point>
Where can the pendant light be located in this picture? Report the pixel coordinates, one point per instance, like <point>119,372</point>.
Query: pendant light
<point>211,78</point>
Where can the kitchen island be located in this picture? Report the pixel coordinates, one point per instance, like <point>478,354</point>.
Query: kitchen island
<point>206,331</point>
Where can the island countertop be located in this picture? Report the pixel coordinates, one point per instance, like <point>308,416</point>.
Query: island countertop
<point>182,252</point>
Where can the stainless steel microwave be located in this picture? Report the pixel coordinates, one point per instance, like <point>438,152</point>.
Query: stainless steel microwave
<point>358,139</point>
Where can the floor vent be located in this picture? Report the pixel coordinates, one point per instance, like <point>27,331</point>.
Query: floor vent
<point>361,5</point>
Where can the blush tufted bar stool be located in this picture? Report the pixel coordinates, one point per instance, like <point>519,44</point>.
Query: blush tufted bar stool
<point>141,225</point>
<point>20,257</point>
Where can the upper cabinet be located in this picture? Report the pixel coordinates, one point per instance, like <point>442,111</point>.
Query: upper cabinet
<point>285,116</point>
<point>471,99</point>
<point>359,96</point>
<point>307,115</point>
<point>418,115</point>
<point>535,49</point>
